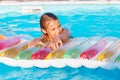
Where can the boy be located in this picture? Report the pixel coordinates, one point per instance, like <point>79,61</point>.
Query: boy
<point>53,34</point>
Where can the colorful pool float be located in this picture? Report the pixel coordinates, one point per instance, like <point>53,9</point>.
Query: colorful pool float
<point>78,49</point>
<point>41,53</point>
<point>9,42</point>
<point>117,59</point>
<point>13,51</point>
<point>26,54</point>
<point>110,51</point>
<point>90,52</point>
<point>48,53</point>
<point>2,37</point>
<point>93,50</point>
<point>62,50</point>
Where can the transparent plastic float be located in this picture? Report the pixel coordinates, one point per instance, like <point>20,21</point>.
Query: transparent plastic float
<point>92,52</point>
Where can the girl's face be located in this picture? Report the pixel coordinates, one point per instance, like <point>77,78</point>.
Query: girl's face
<point>53,29</point>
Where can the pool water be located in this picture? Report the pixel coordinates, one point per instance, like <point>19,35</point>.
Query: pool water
<point>51,73</point>
<point>81,20</point>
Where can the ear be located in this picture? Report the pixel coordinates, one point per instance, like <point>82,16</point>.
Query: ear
<point>44,31</point>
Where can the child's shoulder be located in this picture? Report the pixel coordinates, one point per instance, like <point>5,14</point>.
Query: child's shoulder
<point>64,30</point>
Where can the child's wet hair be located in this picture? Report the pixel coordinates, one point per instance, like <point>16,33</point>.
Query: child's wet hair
<point>46,18</point>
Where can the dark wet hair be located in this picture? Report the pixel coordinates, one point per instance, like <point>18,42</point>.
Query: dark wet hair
<point>47,17</point>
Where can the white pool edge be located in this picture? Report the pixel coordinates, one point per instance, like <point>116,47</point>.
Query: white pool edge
<point>58,2</point>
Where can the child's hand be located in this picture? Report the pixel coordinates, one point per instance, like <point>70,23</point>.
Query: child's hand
<point>56,43</point>
<point>35,42</point>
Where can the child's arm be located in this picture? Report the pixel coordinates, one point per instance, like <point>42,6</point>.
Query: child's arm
<point>36,42</point>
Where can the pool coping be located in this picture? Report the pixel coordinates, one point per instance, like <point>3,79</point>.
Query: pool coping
<point>58,2</point>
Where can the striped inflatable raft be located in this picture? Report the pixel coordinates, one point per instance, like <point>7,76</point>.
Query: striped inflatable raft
<point>90,52</point>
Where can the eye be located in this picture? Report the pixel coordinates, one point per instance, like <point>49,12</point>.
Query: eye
<point>53,29</point>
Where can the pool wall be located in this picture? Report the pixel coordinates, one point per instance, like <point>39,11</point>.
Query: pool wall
<point>35,2</point>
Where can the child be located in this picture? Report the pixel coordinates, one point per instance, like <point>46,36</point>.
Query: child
<point>53,34</point>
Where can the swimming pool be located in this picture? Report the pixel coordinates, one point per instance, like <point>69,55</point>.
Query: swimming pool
<point>82,20</point>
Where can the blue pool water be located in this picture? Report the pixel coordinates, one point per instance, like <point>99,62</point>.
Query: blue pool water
<point>51,73</point>
<point>81,20</point>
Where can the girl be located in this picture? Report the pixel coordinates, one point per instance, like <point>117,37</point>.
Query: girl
<point>53,34</point>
